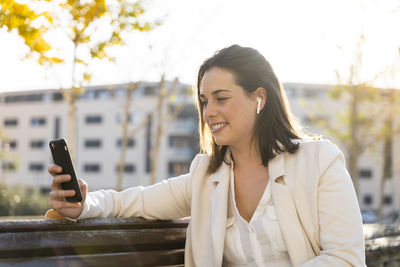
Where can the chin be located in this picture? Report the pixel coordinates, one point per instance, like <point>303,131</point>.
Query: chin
<point>221,141</point>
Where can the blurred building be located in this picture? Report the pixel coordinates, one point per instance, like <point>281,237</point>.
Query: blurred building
<point>311,103</point>
<point>31,119</point>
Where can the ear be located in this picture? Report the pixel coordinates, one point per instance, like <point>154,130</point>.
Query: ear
<point>260,92</point>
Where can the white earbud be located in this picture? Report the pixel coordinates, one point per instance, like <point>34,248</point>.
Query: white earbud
<point>258,105</point>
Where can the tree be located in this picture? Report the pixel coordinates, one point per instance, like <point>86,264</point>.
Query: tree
<point>31,26</point>
<point>164,95</point>
<point>92,27</point>
<point>367,119</point>
<point>126,136</point>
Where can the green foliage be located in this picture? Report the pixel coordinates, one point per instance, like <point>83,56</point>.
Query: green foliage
<point>22,201</point>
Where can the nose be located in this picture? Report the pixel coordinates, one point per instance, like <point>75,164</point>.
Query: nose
<point>209,111</point>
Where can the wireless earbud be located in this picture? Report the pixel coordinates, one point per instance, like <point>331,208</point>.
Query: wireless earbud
<point>258,104</point>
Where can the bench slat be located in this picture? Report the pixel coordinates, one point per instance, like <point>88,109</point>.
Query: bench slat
<point>144,258</point>
<point>85,242</point>
<point>8,226</point>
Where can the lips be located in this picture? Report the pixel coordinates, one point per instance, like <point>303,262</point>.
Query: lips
<point>216,127</point>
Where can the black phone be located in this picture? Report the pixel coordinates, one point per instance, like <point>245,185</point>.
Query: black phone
<point>61,157</point>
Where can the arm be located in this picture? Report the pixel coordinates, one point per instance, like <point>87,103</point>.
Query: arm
<point>169,199</point>
<point>341,232</point>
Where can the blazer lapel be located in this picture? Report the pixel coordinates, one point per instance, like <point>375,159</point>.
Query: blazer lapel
<point>287,213</point>
<point>219,204</point>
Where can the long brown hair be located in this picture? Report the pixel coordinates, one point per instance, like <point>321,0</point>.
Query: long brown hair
<point>275,126</point>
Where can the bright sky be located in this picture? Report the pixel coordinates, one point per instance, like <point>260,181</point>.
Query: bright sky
<point>301,39</point>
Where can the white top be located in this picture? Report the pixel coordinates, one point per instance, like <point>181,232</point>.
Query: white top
<point>258,242</point>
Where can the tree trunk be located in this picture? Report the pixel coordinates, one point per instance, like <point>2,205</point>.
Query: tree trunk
<point>354,148</point>
<point>125,136</point>
<point>387,163</point>
<point>72,127</point>
<point>157,141</point>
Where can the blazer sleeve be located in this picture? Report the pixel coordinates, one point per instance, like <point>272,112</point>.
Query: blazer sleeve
<point>340,223</point>
<point>167,200</point>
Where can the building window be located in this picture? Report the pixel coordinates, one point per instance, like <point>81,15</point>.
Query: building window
<point>102,94</point>
<point>368,200</point>
<point>290,92</point>
<point>131,143</point>
<point>38,121</point>
<point>8,166</point>
<point>178,168</point>
<point>13,144</point>
<point>24,98</point>
<point>10,122</point>
<point>92,167</point>
<point>36,167</point>
<point>57,97</point>
<point>150,90</point>
<point>128,168</point>
<point>37,144</point>
<point>93,143</point>
<point>57,123</point>
<point>187,113</point>
<point>365,173</point>
<point>93,119</point>
<point>313,93</point>
<point>387,200</point>
<point>9,145</point>
<point>180,141</point>
<point>120,118</point>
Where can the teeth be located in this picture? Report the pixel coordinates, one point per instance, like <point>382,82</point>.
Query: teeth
<point>217,126</point>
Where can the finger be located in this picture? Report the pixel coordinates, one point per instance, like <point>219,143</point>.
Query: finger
<point>61,194</point>
<point>83,186</point>
<point>58,180</point>
<point>58,204</point>
<point>54,169</point>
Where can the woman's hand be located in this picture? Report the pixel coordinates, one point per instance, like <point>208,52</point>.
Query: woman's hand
<point>57,195</point>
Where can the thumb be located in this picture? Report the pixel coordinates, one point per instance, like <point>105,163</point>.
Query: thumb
<point>84,188</point>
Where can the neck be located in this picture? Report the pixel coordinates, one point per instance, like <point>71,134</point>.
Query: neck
<point>247,156</point>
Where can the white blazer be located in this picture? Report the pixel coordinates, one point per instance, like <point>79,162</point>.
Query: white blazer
<point>314,197</point>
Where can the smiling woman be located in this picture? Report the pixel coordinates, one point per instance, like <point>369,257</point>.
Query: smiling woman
<point>236,79</point>
<point>261,193</point>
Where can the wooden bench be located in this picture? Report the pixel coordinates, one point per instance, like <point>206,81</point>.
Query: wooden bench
<point>134,242</point>
<point>92,242</point>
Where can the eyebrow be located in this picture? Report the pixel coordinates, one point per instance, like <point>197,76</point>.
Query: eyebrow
<point>215,92</point>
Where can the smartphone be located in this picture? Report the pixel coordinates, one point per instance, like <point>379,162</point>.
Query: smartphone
<point>61,157</point>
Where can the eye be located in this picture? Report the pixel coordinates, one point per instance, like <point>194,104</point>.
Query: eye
<point>221,99</point>
<point>203,103</point>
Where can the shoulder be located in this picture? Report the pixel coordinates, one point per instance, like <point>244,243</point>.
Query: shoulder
<point>200,161</point>
<point>319,145</point>
<point>319,151</point>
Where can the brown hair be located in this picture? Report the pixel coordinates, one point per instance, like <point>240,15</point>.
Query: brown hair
<point>275,126</point>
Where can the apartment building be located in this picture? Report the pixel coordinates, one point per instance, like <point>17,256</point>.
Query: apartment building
<point>310,102</point>
<point>31,119</point>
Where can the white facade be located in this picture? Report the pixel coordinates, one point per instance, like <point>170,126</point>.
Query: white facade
<point>99,115</point>
<point>98,131</point>
<point>312,101</point>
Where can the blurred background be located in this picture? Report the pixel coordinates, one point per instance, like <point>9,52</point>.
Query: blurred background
<point>115,79</point>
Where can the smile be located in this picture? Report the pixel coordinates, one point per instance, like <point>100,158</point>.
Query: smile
<point>217,127</point>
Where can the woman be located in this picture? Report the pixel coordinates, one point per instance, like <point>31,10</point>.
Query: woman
<point>260,194</point>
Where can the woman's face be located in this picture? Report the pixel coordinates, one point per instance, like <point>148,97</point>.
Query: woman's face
<point>228,110</point>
